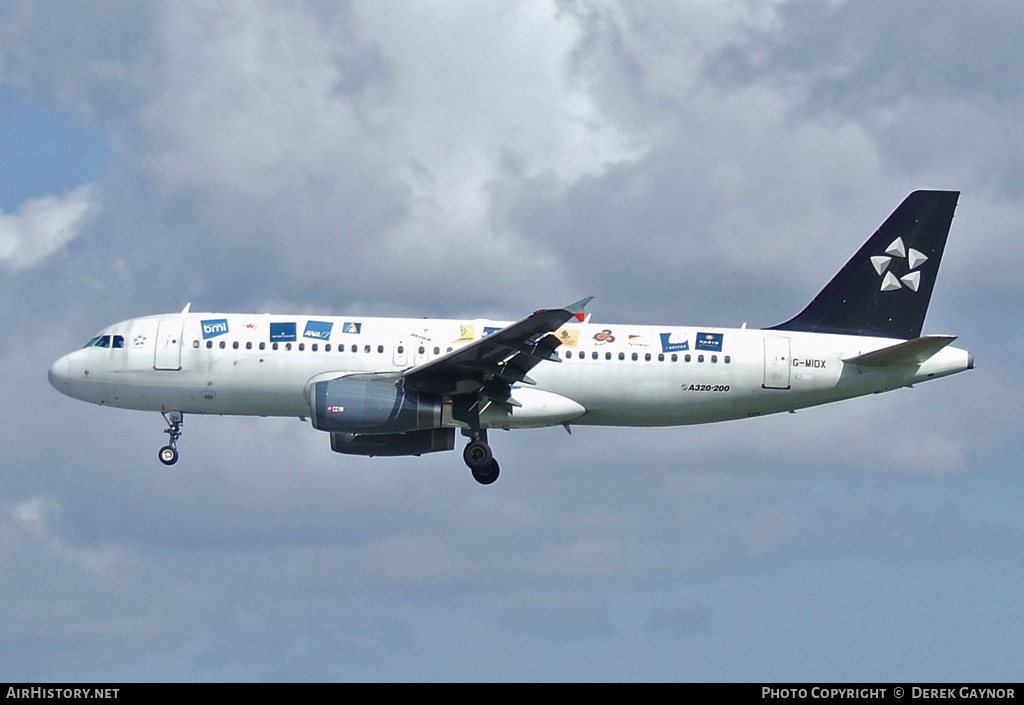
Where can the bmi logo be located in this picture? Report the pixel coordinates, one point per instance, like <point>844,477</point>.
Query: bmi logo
<point>215,327</point>
<point>883,264</point>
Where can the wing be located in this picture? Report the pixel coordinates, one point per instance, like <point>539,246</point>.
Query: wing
<point>484,371</point>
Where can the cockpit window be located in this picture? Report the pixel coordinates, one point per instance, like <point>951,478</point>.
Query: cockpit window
<point>106,341</point>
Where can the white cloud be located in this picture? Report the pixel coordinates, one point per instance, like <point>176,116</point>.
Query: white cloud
<point>41,226</point>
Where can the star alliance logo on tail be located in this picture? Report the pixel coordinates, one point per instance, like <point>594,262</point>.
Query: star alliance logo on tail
<point>897,251</point>
<point>668,346</point>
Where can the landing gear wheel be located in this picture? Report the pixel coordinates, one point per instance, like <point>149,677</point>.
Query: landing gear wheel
<point>486,476</point>
<point>168,455</point>
<point>478,456</point>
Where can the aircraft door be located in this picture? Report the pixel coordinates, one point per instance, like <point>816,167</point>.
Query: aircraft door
<point>419,352</point>
<point>141,341</point>
<point>168,345</point>
<point>776,362</point>
<point>401,357</point>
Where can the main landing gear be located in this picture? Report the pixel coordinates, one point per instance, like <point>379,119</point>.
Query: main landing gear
<point>169,453</point>
<point>480,459</point>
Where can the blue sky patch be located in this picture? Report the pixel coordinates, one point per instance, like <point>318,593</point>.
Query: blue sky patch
<point>44,151</point>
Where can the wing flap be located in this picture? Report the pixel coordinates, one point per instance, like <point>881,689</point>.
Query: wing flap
<point>492,364</point>
<point>911,352</point>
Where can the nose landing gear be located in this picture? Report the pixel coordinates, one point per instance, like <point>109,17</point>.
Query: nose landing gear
<point>169,453</point>
<point>480,459</point>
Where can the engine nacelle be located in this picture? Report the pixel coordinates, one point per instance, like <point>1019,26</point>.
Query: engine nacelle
<point>354,405</point>
<point>411,443</point>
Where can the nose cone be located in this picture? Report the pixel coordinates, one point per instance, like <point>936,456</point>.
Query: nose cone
<point>60,375</point>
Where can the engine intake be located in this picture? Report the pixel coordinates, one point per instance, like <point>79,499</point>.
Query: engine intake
<point>350,405</point>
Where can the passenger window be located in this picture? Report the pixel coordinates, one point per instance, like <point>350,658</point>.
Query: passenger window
<point>622,356</point>
<point>568,354</point>
<point>355,348</point>
<point>195,343</point>
<point>313,347</point>
<point>209,344</point>
<point>635,357</point>
<point>728,359</point>
<point>675,358</point>
<point>263,346</point>
<point>302,346</point>
<point>223,345</point>
<point>593,355</point>
<point>380,349</point>
<point>582,354</point>
<point>661,357</point>
<point>401,349</point>
<point>366,348</point>
<point>327,348</point>
<point>714,358</point>
<point>700,358</point>
<point>647,357</point>
<point>273,346</point>
<point>437,351</point>
<point>248,346</point>
<point>234,345</point>
<point>607,356</point>
<point>687,358</point>
<point>287,346</point>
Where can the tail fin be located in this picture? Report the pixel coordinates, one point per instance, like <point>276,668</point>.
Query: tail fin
<point>885,288</point>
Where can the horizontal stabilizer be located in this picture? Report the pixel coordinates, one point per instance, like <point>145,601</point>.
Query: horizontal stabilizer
<point>912,352</point>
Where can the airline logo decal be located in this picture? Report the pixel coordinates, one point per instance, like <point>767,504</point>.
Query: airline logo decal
<point>709,341</point>
<point>604,336</point>
<point>354,328</point>
<point>467,334</point>
<point>321,330</point>
<point>883,264</point>
<point>214,327</point>
<point>568,337</point>
<point>668,346</point>
<point>282,332</point>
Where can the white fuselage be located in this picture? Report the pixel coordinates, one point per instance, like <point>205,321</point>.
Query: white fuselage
<point>609,375</point>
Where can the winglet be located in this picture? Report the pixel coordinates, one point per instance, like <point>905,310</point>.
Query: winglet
<point>576,309</point>
<point>187,308</point>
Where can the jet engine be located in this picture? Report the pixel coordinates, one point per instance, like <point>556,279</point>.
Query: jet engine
<point>411,443</point>
<point>366,406</point>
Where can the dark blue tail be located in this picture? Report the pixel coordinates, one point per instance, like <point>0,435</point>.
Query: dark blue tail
<point>885,288</point>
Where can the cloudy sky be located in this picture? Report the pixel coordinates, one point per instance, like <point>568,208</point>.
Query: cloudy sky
<point>698,162</point>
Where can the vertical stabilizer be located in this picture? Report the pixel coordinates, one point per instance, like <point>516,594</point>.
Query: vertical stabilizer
<point>885,288</point>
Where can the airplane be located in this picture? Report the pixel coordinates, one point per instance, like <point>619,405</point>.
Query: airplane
<point>403,386</point>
